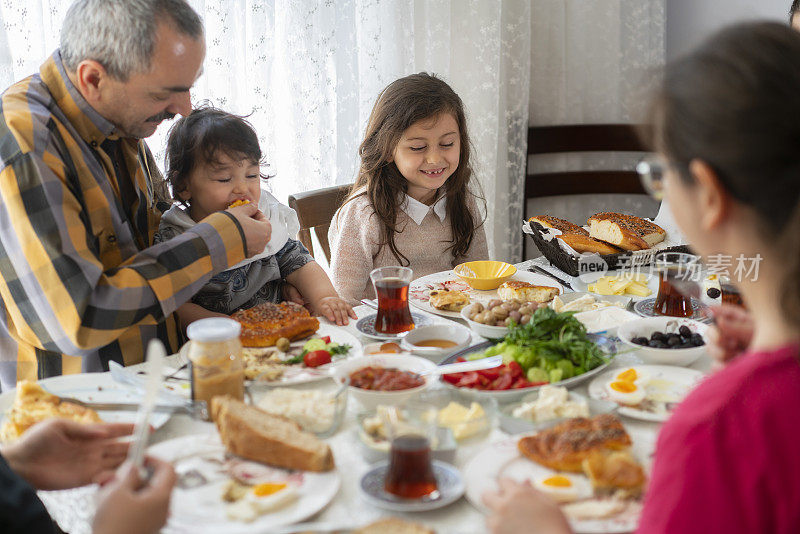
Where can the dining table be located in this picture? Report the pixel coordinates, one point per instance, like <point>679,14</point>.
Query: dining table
<point>73,509</point>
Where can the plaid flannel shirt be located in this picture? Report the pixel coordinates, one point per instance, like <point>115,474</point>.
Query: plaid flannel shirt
<point>80,279</point>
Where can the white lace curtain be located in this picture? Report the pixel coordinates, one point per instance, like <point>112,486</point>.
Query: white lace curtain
<point>308,73</point>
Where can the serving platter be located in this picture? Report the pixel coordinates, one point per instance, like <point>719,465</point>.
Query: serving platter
<point>420,288</point>
<point>197,506</point>
<point>297,373</point>
<point>668,384</point>
<point>512,395</point>
<point>652,284</point>
<point>93,387</point>
<point>503,460</point>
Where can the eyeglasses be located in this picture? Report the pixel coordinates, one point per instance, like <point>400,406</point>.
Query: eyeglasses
<point>651,170</point>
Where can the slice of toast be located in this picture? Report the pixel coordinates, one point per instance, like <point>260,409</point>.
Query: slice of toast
<point>257,435</point>
<point>625,231</point>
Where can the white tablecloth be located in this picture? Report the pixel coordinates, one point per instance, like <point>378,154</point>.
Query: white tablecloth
<point>74,508</point>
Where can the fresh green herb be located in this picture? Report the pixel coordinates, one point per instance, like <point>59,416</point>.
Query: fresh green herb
<point>336,349</point>
<point>551,347</point>
<point>296,359</point>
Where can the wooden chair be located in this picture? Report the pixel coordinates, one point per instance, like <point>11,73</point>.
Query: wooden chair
<point>315,209</point>
<point>582,138</point>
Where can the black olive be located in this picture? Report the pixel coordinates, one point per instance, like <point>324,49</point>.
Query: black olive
<point>713,292</point>
<point>684,331</point>
<point>697,340</point>
<point>674,340</point>
<point>640,340</point>
<point>654,343</point>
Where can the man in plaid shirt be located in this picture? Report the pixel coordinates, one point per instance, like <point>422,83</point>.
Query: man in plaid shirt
<point>80,279</point>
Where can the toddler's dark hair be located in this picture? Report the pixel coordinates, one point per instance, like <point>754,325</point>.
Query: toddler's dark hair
<point>199,139</point>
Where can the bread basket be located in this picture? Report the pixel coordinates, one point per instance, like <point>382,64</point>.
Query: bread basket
<point>558,257</point>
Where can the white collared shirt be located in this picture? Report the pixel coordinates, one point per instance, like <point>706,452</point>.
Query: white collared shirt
<point>417,210</point>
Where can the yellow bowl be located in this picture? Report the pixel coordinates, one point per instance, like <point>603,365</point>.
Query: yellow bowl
<point>485,275</point>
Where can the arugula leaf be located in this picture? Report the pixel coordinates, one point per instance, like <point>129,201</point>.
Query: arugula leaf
<point>336,349</point>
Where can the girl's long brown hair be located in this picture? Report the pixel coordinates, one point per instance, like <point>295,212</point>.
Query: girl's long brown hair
<point>402,103</point>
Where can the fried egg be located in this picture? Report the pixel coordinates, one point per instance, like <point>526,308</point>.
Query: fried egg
<point>261,499</point>
<point>624,392</point>
<point>563,488</point>
<point>636,376</point>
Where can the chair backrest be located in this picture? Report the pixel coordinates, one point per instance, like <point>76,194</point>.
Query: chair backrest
<point>582,138</point>
<point>315,209</point>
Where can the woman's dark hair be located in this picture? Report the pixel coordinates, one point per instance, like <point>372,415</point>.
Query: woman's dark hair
<point>199,139</point>
<point>734,103</point>
<point>415,98</point>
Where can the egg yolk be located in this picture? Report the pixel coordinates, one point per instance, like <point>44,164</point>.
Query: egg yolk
<point>628,376</point>
<point>623,386</point>
<point>268,488</point>
<point>557,481</point>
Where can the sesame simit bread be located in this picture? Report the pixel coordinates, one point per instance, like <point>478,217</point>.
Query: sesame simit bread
<point>625,231</point>
<point>559,224</point>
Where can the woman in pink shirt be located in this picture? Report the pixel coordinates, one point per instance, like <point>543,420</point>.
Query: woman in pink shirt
<point>727,132</point>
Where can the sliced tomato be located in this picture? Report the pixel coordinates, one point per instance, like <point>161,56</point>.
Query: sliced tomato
<point>326,339</point>
<point>491,374</point>
<point>316,358</point>
<point>515,369</point>
<point>503,382</point>
<point>452,378</point>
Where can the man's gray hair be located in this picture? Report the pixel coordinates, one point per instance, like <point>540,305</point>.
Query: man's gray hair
<point>121,34</point>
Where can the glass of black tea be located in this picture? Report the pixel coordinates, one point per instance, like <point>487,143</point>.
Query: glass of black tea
<point>391,287</point>
<point>730,292</point>
<point>410,474</point>
<point>679,276</point>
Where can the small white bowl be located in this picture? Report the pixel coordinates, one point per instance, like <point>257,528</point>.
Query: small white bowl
<point>450,332</point>
<point>485,330</point>
<point>370,399</point>
<point>652,356</point>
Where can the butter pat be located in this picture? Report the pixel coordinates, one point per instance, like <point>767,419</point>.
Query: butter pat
<point>462,421</point>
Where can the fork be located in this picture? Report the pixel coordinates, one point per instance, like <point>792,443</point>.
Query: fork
<point>194,409</point>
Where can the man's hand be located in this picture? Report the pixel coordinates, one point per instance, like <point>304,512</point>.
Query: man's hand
<point>61,454</point>
<point>518,508</point>
<point>126,507</point>
<point>257,229</point>
<point>731,333</point>
<point>335,309</point>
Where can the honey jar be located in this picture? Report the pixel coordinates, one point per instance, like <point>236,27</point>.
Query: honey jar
<point>215,353</point>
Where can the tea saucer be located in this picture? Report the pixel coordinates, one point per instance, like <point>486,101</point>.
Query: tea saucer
<point>645,308</point>
<point>366,325</point>
<point>451,488</point>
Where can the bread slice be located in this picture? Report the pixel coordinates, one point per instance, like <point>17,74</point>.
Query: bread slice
<point>625,231</point>
<point>257,435</point>
<point>612,472</point>
<point>583,243</point>
<point>447,299</point>
<point>525,292</point>
<point>393,525</point>
<point>559,224</point>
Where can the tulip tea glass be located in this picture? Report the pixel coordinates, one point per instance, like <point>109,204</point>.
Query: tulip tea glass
<point>410,474</point>
<point>391,287</point>
<point>679,276</point>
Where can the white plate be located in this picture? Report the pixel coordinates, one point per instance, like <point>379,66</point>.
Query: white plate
<point>418,291</point>
<point>503,460</point>
<point>666,381</point>
<point>297,374</point>
<point>201,509</point>
<point>93,387</point>
<point>652,283</point>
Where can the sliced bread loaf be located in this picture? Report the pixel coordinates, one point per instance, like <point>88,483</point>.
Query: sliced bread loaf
<point>271,439</point>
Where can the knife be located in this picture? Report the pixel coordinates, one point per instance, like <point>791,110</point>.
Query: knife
<point>195,409</point>
<point>141,431</point>
<point>551,275</point>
